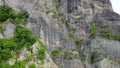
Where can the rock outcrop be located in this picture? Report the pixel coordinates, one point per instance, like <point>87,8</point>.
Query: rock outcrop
<point>59,24</point>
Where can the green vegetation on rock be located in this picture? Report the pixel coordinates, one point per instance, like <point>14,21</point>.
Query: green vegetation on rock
<point>108,33</point>
<point>32,66</point>
<point>22,37</point>
<point>56,53</point>
<point>117,37</point>
<point>84,56</point>
<point>93,30</point>
<point>77,42</point>
<point>42,52</point>
<point>19,64</point>
<point>67,54</point>
<point>6,12</point>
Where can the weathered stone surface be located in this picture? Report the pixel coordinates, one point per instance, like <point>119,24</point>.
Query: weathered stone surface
<point>9,30</point>
<point>53,20</point>
<point>108,47</point>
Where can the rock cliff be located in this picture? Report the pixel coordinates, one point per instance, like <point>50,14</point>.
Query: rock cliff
<point>84,33</point>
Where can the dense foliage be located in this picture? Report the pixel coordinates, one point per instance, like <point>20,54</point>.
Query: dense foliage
<point>19,64</point>
<point>22,37</point>
<point>6,12</point>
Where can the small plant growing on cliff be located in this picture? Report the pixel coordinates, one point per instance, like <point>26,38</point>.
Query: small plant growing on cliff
<point>56,53</point>
<point>117,37</point>
<point>42,52</point>
<point>77,42</point>
<point>19,64</point>
<point>108,33</point>
<point>67,54</point>
<point>32,66</point>
<point>70,35</point>
<point>84,56</point>
<point>95,57</point>
<point>20,17</point>
<point>93,30</point>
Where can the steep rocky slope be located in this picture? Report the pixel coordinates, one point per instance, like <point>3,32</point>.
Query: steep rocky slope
<point>83,33</point>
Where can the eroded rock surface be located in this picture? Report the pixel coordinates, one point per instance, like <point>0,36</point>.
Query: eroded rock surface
<point>56,21</point>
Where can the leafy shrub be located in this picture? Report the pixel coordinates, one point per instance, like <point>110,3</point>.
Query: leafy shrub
<point>67,54</point>
<point>20,17</point>
<point>42,53</point>
<point>95,57</point>
<point>6,45</point>
<point>32,66</point>
<point>3,64</point>
<point>5,12</point>
<point>23,37</point>
<point>84,56</point>
<point>117,37</point>
<point>71,35</point>
<point>108,33</point>
<point>19,64</point>
<point>77,42</point>
<point>93,30</point>
<point>56,53</point>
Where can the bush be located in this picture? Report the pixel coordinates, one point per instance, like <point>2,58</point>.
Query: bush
<point>67,54</point>
<point>117,37</point>
<point>20,17</point>
<point>5,12</point>
<point>93,30</point>
<point>23,37</point>
<point>32,66</point>
<point>84,56</point>
<point>77,42</point>
<point>19,64</point>
<point>42,53</point>
<point>6,45</point>
<point>3,64</point>
<point>108,33</point>
<point>96,57</point>
<point>56,53</point>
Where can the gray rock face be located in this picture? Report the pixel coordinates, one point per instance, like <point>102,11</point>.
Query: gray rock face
<point>54,20</point>
<point>9,30</point>
<point>107,47</point>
